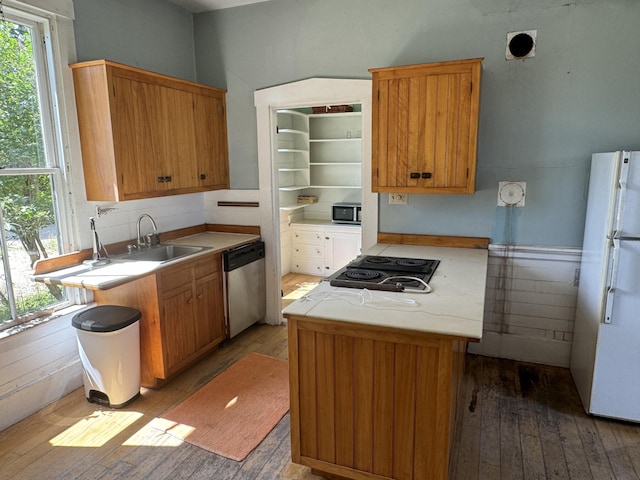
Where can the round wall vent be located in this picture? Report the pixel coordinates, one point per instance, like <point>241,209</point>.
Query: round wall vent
<point>521,44</point>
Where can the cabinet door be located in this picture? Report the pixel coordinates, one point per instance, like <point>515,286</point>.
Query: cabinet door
<point>425,127</point>
<point>340,249</point>
<point>178,327</point>
<point>178,168</point>
<point>209,311</point>
<point>138,136</point>
<point>211,141</point>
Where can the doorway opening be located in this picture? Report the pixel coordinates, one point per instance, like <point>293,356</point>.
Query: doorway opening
<point>298,188</point>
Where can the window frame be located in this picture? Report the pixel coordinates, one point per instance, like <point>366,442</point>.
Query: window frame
<point>54,49</point>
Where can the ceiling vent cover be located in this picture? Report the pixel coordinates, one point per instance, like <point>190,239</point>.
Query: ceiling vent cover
<point>521,44</point>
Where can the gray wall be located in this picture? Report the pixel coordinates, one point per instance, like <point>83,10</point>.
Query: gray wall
<point>540,118</point>
<point>152,34</point>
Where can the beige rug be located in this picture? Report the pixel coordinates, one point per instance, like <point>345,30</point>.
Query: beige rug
<point>236,410</point>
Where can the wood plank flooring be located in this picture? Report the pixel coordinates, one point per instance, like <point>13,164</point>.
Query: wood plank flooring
<point>294,285</point>
<point>525,421</point>
<point>519,421</point>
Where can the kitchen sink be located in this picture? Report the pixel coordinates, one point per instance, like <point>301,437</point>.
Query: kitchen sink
<point>159,253</point>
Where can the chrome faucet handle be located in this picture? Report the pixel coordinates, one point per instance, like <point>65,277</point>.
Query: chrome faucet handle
<point>147,240</point>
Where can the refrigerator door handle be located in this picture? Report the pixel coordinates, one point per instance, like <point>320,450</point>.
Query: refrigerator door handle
<point>613,277</point>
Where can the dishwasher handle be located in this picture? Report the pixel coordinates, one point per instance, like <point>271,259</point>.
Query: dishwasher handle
<point>242,255</point>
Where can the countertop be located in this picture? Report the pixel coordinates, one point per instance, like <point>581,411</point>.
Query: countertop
<point>116,273</point>
<point>455,306</point>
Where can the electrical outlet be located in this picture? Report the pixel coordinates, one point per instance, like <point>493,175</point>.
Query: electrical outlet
<point>397,199</point>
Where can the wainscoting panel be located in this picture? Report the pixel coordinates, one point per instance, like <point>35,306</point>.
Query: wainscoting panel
<point>530,304</point>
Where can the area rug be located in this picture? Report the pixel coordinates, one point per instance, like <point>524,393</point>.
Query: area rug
<point>236,410</point>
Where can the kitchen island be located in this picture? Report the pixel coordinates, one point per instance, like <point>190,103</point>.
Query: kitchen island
<point>374,375</point>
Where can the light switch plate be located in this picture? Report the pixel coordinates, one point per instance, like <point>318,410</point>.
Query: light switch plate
<point>397,199</point>
<point>511,194</point>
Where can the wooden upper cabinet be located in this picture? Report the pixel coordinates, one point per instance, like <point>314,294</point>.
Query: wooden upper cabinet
<point>425,127</point>
<point>211,141</point>
<point>146,135</point>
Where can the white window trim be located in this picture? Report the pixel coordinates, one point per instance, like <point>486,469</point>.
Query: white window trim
<point>60,41</point>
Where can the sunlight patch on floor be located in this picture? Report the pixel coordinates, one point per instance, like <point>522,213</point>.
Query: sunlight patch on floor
<point>160,432</point>
<point>301,291</point>
<point>96,429</point>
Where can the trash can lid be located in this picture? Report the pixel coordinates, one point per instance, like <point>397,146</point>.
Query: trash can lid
<point>105,318</point>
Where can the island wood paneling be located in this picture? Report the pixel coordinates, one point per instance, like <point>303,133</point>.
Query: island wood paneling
<point>370,402</point>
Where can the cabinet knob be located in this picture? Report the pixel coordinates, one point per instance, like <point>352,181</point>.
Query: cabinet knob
<point>203,176</point>
<point>190,300</point>
<point>200,296</point>
<point>327,238</point>
<point>426,174</point>
<point>415,175</point>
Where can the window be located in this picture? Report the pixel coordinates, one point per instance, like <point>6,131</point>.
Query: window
<point>32,184</point>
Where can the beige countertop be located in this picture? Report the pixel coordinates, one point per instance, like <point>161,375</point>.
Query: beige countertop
<point>454,307</point>
<point>118,272</point>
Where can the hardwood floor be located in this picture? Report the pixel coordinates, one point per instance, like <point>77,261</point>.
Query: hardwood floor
<point>519,421</point>
<point>525,421</point>
<point>294,285</point>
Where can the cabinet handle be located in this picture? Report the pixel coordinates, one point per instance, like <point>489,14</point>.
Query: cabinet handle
<point>160,179</point>
<point>167,178</point>
<point>200,296</point>
<point>190,300</point>
<point>327,238</point>
<point>415,175</point>
<point>203,176</point>
<point>326,268</point>
<point>426,174</point>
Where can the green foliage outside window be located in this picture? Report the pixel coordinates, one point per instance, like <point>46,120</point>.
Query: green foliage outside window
<point>27,199</point>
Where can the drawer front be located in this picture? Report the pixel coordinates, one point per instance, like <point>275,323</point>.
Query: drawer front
<point>304,236</point>
<point>305,250</point>
<point>208,265</point>
<point>175,277</point>
<point>308,267</point>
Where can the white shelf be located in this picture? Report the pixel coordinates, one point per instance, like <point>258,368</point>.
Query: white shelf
<point>326,140</point>
<point>292,169</point>
<point>335,186</point>
<point>297,206</point>
<point>333,163</point>
<point>334,115</point>
<point>292,150</point>
<point>291,130</point>
<point>293,188</point>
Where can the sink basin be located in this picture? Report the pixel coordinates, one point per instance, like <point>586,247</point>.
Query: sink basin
<point>160,253</point>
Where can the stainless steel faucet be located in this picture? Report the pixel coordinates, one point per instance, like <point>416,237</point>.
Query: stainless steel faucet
<point>146,241</point>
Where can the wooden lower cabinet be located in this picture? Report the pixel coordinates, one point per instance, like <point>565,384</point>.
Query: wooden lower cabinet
<point>182,315</point>
<point>370,402</point>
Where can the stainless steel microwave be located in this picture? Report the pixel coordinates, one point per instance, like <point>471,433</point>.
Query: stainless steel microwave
<point>346,213</point>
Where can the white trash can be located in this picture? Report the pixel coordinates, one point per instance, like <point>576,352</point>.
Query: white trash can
<point>109,347</point>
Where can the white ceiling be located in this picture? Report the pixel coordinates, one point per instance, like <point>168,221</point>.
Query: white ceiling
<point>197,6</point>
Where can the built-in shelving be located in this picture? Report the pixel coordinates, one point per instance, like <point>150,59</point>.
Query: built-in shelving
<point>319,154</point>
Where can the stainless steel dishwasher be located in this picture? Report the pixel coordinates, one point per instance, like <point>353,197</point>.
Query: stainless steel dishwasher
<point>244,287</point>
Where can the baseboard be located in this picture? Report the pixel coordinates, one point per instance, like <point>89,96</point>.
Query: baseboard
<point>522,348</point>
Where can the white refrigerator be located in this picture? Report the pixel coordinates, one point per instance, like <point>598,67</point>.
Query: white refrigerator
<point>605,358</point>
